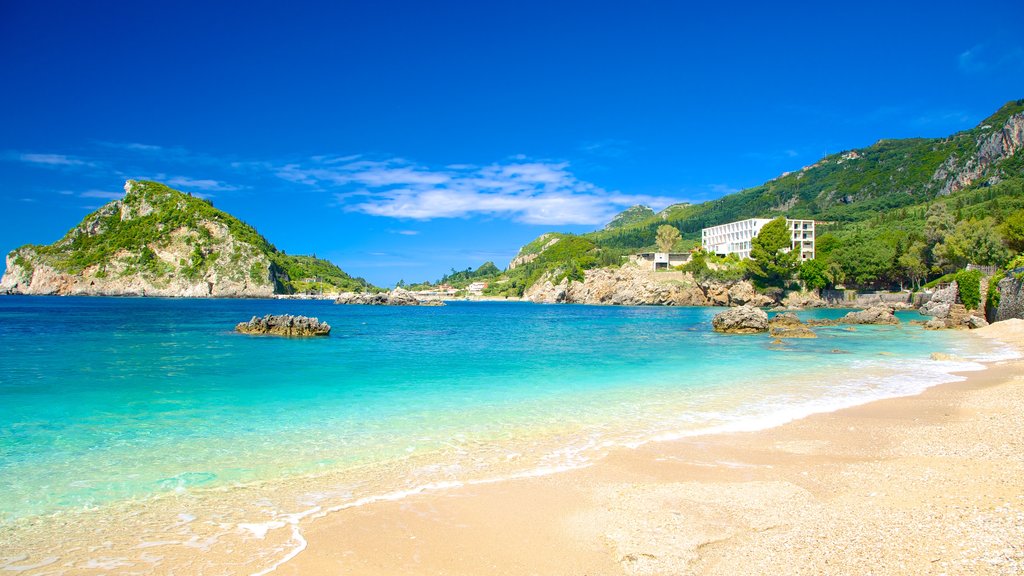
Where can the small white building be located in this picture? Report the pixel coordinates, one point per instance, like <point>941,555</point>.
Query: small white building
<point>661,260</point>
<point>476,287</point>
<point>736,237</point>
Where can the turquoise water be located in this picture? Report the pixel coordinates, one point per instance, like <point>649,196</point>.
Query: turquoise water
<point>113,400</point>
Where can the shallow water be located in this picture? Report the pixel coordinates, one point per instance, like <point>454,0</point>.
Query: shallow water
<point>154,410</point>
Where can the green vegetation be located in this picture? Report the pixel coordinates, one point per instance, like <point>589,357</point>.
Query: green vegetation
<point>889,215</point>
<point>153,217</point>
<point>771,262</point>
<point>666,237</point>
<point>968,284</point>
<point>631,215</point>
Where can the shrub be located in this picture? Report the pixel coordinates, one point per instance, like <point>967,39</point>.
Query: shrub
<point>969,285</point>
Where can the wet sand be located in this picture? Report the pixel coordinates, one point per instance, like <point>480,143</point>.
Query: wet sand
<point>929,484</point>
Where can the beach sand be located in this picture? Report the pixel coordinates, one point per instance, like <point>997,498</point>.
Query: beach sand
<point>929,484</point>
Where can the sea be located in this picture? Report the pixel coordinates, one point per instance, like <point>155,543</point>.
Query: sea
<point>139,434</point>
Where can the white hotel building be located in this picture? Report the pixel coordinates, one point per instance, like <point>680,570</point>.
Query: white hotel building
<point>735,237</point>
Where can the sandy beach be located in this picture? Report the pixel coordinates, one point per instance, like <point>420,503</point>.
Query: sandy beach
<point>929,484</point>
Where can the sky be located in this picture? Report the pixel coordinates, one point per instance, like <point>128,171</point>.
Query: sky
<point>401,140</point>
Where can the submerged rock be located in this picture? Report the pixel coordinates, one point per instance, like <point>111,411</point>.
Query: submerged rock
<point>284,325</point>
<point>873,315</point>
<point>788,325</point>
<point>741,320</point>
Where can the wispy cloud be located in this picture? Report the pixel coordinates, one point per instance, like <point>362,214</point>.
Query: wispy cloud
<point>606,148</point>
<point>405,232</point>
<point>58,160</point>
<point>207,185</point>
<point>525,190</point>
<point>103,194</point>
<point>991,57</point>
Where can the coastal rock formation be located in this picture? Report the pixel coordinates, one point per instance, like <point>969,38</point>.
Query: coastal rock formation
<point>803,300</point>
<point>630,285</point>
<point>873,315</point>
<point>741,320</point>
<point>941,301</point>
<point>1011,297</point>
<point>396,297</point>
<point>284,325</point>
<point>157,241</point>
<point>787,325</point>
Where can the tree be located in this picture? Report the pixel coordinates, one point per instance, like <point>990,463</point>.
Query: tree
<point>1013,231</point>
<point>972,242</point>
<point>939,223</point>
<point>911,265</point>
<point>866,258</point>
<point>772,260</point>
<point>814,273</point>
<point>667,237</point>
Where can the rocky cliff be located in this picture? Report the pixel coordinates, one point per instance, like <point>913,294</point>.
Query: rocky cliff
<point>630,285</point>
<point>1011,297</point>
<point>160,242</point>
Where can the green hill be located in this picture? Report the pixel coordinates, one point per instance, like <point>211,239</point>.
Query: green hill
<point>159,241</point>
<point>879,194</point>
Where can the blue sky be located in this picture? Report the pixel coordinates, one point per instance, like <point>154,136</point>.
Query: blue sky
<point>401,139</point>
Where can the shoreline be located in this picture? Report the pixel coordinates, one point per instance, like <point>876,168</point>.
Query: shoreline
<point>914,484</point>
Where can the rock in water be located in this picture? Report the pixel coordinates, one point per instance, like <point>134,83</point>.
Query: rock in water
<point>397,297</point>
<point>741,320</point>
<point>284,325</point>
<point>788,325</point>
<point>873,315</point>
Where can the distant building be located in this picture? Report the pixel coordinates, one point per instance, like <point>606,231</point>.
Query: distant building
<point>736,237</point>
<point>661,260</point>
<point>476,287</point>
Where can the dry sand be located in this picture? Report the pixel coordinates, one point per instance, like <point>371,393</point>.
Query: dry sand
<point>930,484</point>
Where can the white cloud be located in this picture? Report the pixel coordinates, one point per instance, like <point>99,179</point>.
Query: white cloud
<point>405,232</point>
<point>528,191</point>
<point>53,160</point>
<point>201,184</point>
<point>101,194</point>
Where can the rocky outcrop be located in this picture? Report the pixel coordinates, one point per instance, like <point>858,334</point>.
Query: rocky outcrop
<point>957,173</point>
<point>787,325</point>
<point>284,325</point>
<point>396,297</point>
<point>803,300</point>
<point>941,301</point>
<point>1011,297</point>
<point>873,315</point>
<point>741,320</point>
<point>948,313</point>
<point>522,259</point>
<point>629,285</point>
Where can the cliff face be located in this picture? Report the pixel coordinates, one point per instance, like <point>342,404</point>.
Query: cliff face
<point>959,172</point>
<point>1011,299</point>
<point>155,242</point>
<point>629,285</point>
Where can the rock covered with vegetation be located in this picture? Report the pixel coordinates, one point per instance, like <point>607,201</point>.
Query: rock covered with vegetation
<point>157,241</point>
<point>284,325</point>
<point>741,320</point>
